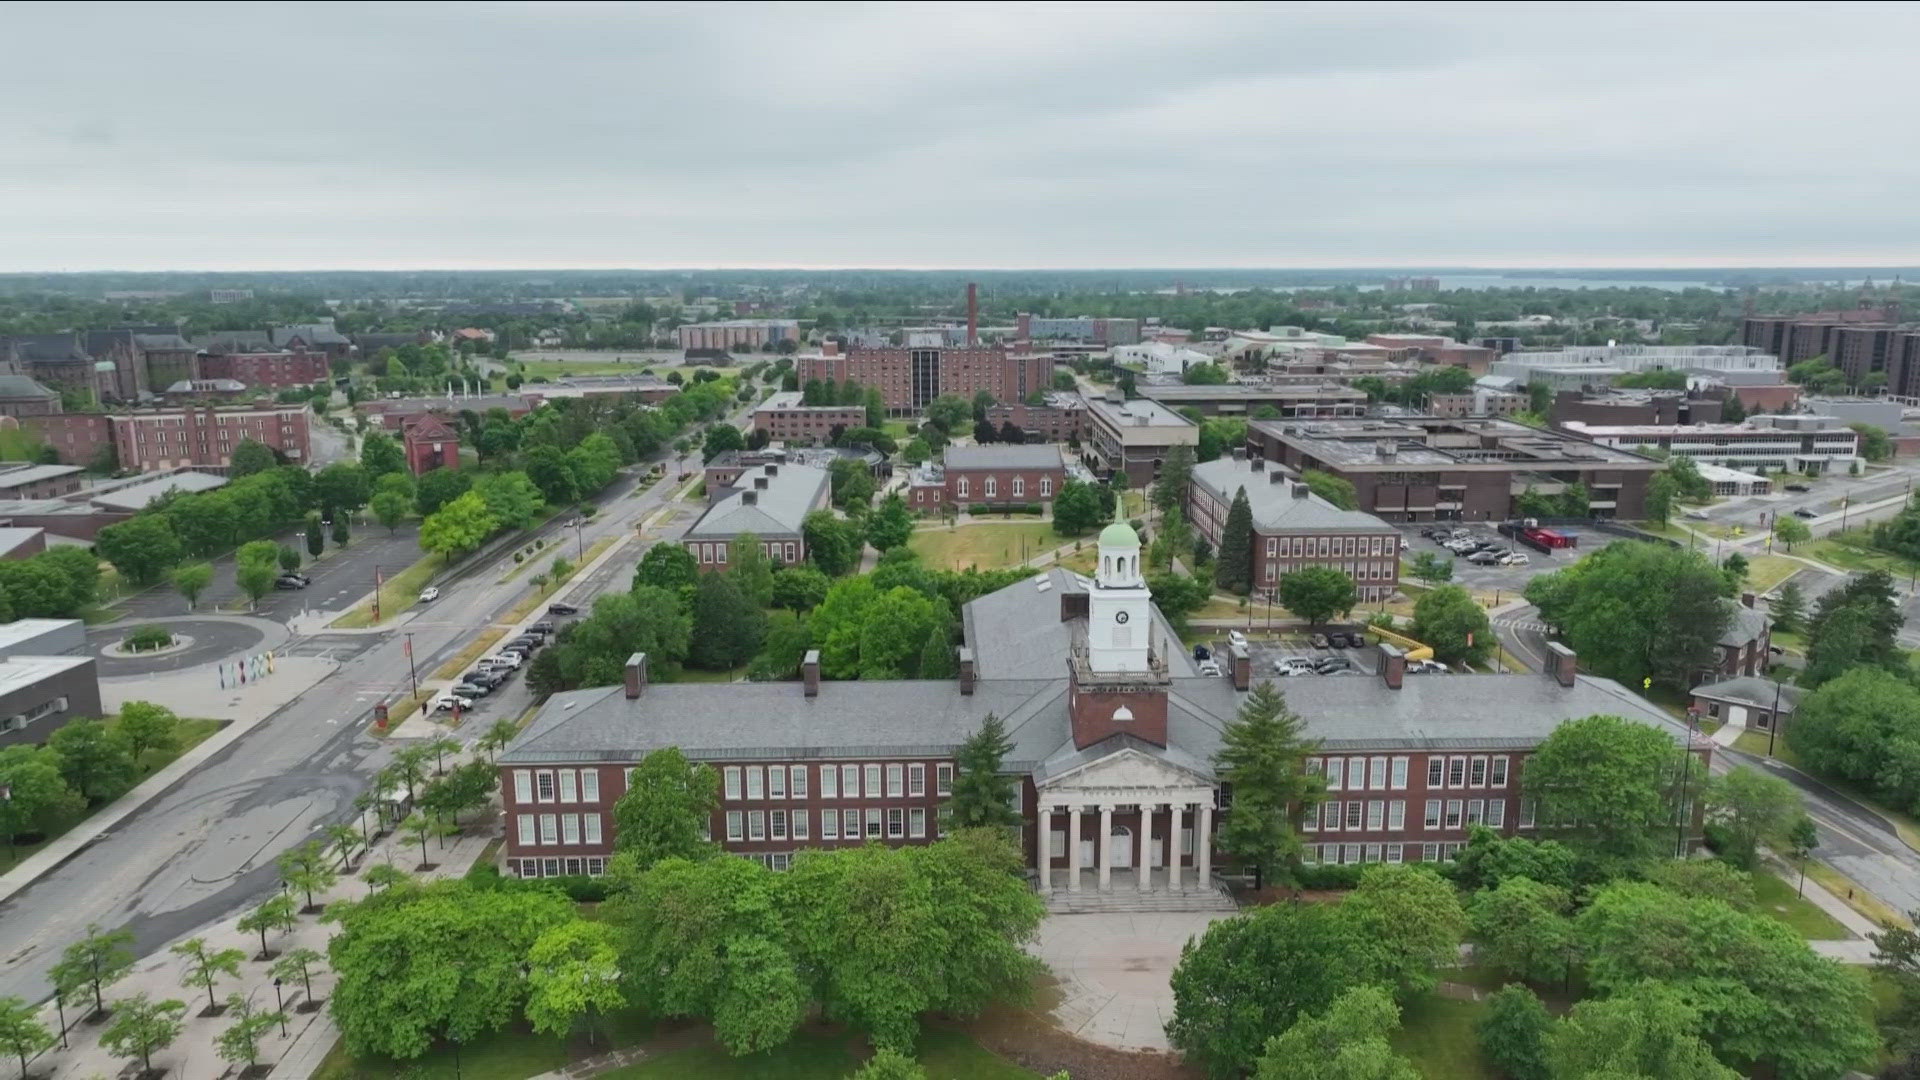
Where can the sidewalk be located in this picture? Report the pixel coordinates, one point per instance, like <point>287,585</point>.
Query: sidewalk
<point>310,1036</point>
<point>1855,950</point>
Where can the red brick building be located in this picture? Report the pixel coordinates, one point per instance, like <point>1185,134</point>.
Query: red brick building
<point>394,413</point>
<point>988,476</point>
<point>1062,419</point>
<point>1112,737</point>
<point>911,376</point>
<point>268,369</point>
<point>430,444</point>
<point>1292,527</point>
<point>148,440</point>
<point>784,419</point>
<point>771,502</point>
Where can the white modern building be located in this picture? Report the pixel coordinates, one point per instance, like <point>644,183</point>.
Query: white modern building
<point>1798,443</point>
<point>1159,358</point>
<point>1592,365</point>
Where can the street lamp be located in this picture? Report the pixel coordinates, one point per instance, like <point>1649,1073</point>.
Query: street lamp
<point>580,544</point>
<point>280,1002</point>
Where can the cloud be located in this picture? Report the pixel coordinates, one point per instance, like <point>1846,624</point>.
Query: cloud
<point>549,135</point>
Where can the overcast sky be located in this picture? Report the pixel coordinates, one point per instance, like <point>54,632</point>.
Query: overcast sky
<point>234,136</point>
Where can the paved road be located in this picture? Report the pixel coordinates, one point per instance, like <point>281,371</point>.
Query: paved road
<point>344,574</point>
<point>1824,498</point>
<point>207,846</point>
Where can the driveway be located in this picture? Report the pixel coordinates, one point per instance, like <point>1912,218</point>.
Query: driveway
<point>1114,969</point>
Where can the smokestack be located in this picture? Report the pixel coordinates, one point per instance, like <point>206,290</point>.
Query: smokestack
<point>636,675</point>
<point>966,670</point>
<point>810,672</point>
<point>973,314</point>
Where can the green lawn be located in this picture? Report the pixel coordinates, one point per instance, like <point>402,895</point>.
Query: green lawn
<point>811,1056</point>
<point>554,369</point>
<point>192,732</point>
<point>512,1054</point>
<point>1777,898</point>
<point>988,547</point>
<point>1835,550</point>
<point>1439,1035</point>
<point>897,430</point>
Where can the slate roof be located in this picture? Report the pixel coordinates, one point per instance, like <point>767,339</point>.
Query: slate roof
<point>1748,624</point>
<point>164,342</point>
<point>1020,456</point>
<point>235,341</point>
<point>44,347</point>
<point>1274,504</point>
<point>32,474</point>
<point>21,386</point>
<point>778,510</point>
<point>311,333</point>
<point>1751,690</point>
<point>1017,632</point>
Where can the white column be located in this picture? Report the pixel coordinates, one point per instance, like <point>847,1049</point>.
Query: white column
<point>1178,811</point>
<point>1073,849</point>
<point>1203,843</point>
<point>1042,855</point>
<point>1105,840</point>
<point>1146,846</point>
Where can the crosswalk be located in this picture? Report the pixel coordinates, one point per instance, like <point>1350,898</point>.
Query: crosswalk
<point>1534,625</point>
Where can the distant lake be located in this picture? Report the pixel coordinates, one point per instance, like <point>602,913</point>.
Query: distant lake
<point>1499,281</point>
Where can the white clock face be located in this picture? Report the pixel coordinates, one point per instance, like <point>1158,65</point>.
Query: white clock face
<point>1120,616</point>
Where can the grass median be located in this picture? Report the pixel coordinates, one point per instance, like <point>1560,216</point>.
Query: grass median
<point>399,593</point>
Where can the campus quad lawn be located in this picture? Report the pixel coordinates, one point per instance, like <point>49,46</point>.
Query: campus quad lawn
<point>514,1053</point>
<point>989,546</point>
<point>946,1055</point>
<point>1778,899</point>
<point>1440,1036</point>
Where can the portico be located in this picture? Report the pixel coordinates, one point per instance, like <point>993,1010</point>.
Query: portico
<point>1127,819</point>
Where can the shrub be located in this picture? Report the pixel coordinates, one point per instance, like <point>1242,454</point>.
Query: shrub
<point>143,638</point>
<point>1329,875</point>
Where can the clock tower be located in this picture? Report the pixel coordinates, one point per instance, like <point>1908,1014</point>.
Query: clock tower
<point>1116,682</point>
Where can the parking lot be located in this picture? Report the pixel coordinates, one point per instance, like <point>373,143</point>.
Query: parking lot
<point>1494,578</point>
<point>1267,652</point>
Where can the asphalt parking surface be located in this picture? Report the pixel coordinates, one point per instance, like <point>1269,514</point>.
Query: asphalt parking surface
<point>1495,578</point>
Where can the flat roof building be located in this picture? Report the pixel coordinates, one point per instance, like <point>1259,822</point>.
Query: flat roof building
<point>1133,437</point>
<point>47,677</point>
<point>784,419</point>
<point>1796,443</point>
<point>1316,399</point>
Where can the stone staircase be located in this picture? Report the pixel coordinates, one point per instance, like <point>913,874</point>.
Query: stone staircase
<point>1129,898</point>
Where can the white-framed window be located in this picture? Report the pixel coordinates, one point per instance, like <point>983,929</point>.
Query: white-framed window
<point>569,828</point>
<point>1500,771</point>
<point>1435,765</point>
<point>1376,814</point>
<point>1397,815</point>
<point>1476,811</point>
<point>1453,813</point>
<point>873,781</point>
<point>1527,809</point>
<point>943,779</point>
<point>543,785</point>
<point>829,825</point>
<point>522,786</point>
<point>1477,773</point>
<point>1496,813</point>
<point>873,823</point>
<point>1350,853</point>
<point>1457,772</point>
<point>850,825</point>
<point>1373,853</point>
<point>525,822</point>
<point>1330,816</point>
<point>896,823</point>
<point>1336,769</point>
<point>1355,809</point>
<point>960,487</point>
<point>1393,853</point>
<point>1046,487</point>
<point>916,780</point>
<point>943,820</point>
<point>799,773</point>
<point>1398,781</point>
<point>777,825</point>
<point>1356,774</point>
<point>896,780</point>
<point>777,782</point>
<point>1377,774</point>
<point>549,829</point>
<point>917,822</point>
<point>849,781</point>
<point>732,775</point>
<point>756,782</point>
<point>990,485</point>
<point>1019,486</point>
<point>569,786</point>
<point>596,866</point>
<point>590,824</point>
<point>802,829</point>
<point>1429,852</point>
<point>1310,822</point>
<point>1273,547</point>
<point>590,785</point>
<point>829,782</point>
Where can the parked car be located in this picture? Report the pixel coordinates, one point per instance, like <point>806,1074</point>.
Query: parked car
<point>297,576</point>
<point>449,700</point>
<point>487,677</point>
<point>1331,664</point>
<point>1318,641</point>
<point>508,657</point>
<point>1798,487</point>
<point>530,641</point>
<point>1236,639</point>
<point>1210,668</point>
<point>1336,640</point>
<point>470,690</point>
<point>562,609</point>
<point>1289,666</point>
<point>429,594</point>
<point>541,627</point>
<point>1803,512</point>
<point>1483,558</point>
<point>1515,558</point>
<point>1201,652</point>
<point>287,581</point>
<point>1426,667</point>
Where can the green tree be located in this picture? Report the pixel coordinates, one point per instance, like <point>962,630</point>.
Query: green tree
<point>1874,443</point>
<point>1346,1042</point>
<point>916,451</point>
<point>719,439</point>
<point>21,1032</point>
<point>393,499</point>
<point>1634,610</point>
<point>546,467</point>
<point>833,544</point>
<point>1661,492</point>
<point>458,527</point>
<point>1858,727</point>
<point>289,559</point>
<point>1337,490</point>
<point>982,793</point>
<point>416,962</point>
<point>727,627</point>
<point>511,499</point>
<point>1262,755</point>
<point>1513,1034</point>
<point>1751,808</point>
<point>1608,787</point>
<point>1233,571</point>
<point>1791,530</point>
<point>800,588</point>
<point>1410,920</point>
<point>949,412</point>
<point>1854,626</point>
<point>1647,1031</point>
<point>890,526</point>
<point>88,966</point>
<point>94,758</point>
<point>1788,608</point>
<point>142,547</point>
<point>750,569</point>
<point>1076,509</point>
<point>1169,490</point>
<point>438,487</point>
<point>140,1026</point>
<point>381,454</point>
<point>343,485</point>
<point>1489,859</point>
<point>38,797</point>
<point>1450,620</point>
<point>146,726</point>
<point>668,566</point>
<point>240,1042</point>
<point>256,565</point>
<point>498,735</point>
<point>274,913</point>
<point>1431,568</point>
<point>1315,593</point>
<point>573,974</point>
<point>300,963</point>
<point>251,456</point>
<point>205,966</point>
<point>667,808</point>
<point>1255,974</point>
<point>316,536</point>
<point>192,580</point>
<point>1173,541</point>
<point>936,658</point>
<point>306,868</point>
<point>1522,929</point>
<point>890,1064</point>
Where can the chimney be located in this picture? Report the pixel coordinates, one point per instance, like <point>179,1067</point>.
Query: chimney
<point>1562,663</point>
<point>1277,477</point>
<point>1239,453</point>
<point>966,670</point>
<point>1746,598</point>
<point>810,672</point>
<point>748,498</point>
<point>773,470</point>
<point>1301,491</point>
<point>759,483</point>
<point>636,675</point>
<point>1393,666</point>
<point>1259,464</point>
<point>1241,666</point>
<point>1073,605</point>
<point>973,314</point>
<point>829,347</point>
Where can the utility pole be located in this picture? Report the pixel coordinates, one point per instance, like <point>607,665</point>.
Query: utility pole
<point>412,672</point>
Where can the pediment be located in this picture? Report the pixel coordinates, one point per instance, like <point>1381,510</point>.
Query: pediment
<point>1124,769</point>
